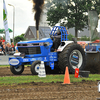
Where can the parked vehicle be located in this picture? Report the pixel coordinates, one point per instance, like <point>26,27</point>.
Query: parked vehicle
<point>93,54</point>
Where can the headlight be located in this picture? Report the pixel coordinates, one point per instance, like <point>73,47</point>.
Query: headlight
<point>18,54</point>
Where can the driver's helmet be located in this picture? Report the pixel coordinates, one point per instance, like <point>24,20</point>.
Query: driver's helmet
<point>58,32</point>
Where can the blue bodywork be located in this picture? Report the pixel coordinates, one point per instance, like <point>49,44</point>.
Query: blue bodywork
<point>93,54</point>
<point>93,47</point>
<point>38,50</point>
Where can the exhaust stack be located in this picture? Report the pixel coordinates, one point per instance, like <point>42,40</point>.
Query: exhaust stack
<point>37,34</point>
<point>37,7</point>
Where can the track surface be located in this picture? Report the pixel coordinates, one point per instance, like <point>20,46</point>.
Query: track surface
<point>84,90</point>
<point>50,91</point>
<point>5,71</point>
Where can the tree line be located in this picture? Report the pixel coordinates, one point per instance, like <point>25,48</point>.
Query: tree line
<point>71,13</point>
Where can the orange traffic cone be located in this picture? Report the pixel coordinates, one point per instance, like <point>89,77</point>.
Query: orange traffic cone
<point>66,78</point>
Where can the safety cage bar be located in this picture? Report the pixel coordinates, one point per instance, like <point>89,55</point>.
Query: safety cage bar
<point>62,29</point>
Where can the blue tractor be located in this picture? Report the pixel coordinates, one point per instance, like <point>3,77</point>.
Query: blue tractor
<point>69,53</point>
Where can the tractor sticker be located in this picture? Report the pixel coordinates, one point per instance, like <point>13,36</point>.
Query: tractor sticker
<point>25,60</point>
<point>33,59</point>
<point>53,53</point>
<point>40,58</point>
<point>51,57</point>
<point>55,57</point>
<point>45,59</point>
<point>14,62</point>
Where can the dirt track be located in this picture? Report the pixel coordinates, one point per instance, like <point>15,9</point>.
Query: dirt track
<point>5,71</point>
<point>48,91</point>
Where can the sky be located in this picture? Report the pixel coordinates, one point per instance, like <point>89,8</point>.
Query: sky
<point>24,16</point>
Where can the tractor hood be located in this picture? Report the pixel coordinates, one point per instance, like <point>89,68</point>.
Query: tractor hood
<point>35,48</point>
<point>36,41</point>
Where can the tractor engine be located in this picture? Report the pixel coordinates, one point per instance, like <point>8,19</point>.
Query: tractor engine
<point>35,48</point>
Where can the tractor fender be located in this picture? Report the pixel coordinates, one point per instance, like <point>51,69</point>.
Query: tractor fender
<point>63,45</point>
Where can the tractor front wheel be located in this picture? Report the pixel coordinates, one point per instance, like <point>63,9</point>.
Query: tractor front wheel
<point>35,67</point>
<point>18,70</point>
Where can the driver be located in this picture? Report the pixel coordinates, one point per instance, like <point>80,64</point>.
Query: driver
<point>57,40</point>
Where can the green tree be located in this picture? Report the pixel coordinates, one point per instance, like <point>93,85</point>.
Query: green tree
<point>85,38</point>
<point>96,5</point>
<point>19,38</point>
<point>71,13</point>
<point>70,36</point>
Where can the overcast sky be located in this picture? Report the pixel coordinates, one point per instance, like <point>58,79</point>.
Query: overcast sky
<point>24,16</point>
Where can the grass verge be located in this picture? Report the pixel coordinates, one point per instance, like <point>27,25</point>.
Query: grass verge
<point>9,65</point>
<point>49,78</point>
<point>4,66</point>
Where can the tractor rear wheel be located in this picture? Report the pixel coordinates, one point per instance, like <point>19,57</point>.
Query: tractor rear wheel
<point>73,56</point>
<point>17,71</point>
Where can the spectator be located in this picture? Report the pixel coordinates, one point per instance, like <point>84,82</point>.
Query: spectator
<point>7,48</point>
<point>11,50</point>
<point>12,44</point>
<point>1,52</point>
<point>13,47</point>
<point>4,46</point>
<point>2,40</point>
<point>16,48</point>
<point>1,45</point>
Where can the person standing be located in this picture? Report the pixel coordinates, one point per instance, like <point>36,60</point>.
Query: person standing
<point>2,40</point>
<point>12,44</point>
<point>16,48</point>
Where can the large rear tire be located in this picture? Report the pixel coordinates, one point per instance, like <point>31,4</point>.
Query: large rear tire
<point>73,56</point>
<point>17,71</point>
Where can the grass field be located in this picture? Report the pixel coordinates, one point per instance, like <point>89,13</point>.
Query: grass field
<point>9,65</point>
<point>4,65</point>
<point>6,80</point>
<point>9,80</point>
